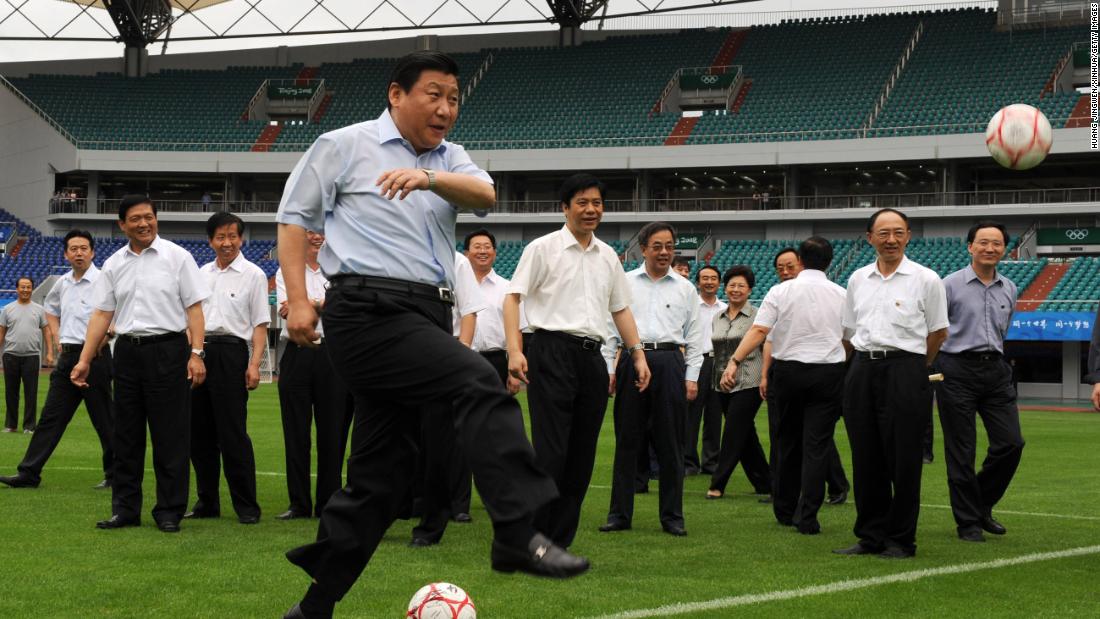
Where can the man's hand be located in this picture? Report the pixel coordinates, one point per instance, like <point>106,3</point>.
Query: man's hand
<point>513,385</point>
<point>641,370</point>
<point>611,385</point>
<point>764,387</point>
<point>729,377</point>
<point>301,323</point>
<point>79,375</point>
<point>284,310</point>
<point>196,371</point>
<point>1096,396</point>
<point>252,377</point>
<point>517,367</point>
<point>401,181</point>
<point>691,387</point>
<point>49,358</point>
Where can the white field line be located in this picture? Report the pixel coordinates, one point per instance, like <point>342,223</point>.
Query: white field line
<point>1014,513</point>
<point>847,585</point>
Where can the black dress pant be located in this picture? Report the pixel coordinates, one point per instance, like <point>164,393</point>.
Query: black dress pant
<point>836,481</point>
<point>885,413</point>
<point>706,411</point>
<point>151,387</point>
<point>984,385</point>
<point>740,442</point>
<point>219,433</point>
<point>396,354</point>
<point>807,400</point>
<point>658,411</point>
<point>62,401</point>
<point>21,369</point>
<point>311,393</point>
<point>567,398</point>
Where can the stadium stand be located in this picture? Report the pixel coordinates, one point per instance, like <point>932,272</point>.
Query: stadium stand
<point>1078,289</point>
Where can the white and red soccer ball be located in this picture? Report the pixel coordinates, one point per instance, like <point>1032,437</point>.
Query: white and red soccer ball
<point>441,600</point>
<point>1018,136</point>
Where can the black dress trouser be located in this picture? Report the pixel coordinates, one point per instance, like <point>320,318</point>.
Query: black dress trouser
<point>567,399</point>
<point>219,432</point>
<point>396,354</point>
<point>705,411</point>
<point>658,411</point>
<point>151,387</point>
<point>982,384</point>
<point>311,393</point>
<point>807,400</point>
<point>885,413</point>
<point>62,401</point>
<point>740,442</point>
<point>836,481</point>
<point>21,369</point>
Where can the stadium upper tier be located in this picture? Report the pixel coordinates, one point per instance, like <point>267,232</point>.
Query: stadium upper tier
<point>810,79</point>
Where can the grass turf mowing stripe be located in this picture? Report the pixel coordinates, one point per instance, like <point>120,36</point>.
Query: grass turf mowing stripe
<point>848,585</point>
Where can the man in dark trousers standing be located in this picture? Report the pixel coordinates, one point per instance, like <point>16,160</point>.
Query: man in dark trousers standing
<point>236,315</point>
<point>706,409</point>
<point>23,327</point>
<point>895,318</point>
<point>666,308</point>
<point>311,393</point>
<point>152,291</point>
<point>802,317</point>
<point>68,307</point>
<point>386,192</point>
<point>976,377</point>
<point>569,281</point>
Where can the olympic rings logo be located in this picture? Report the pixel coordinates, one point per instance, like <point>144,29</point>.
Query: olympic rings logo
<point>1079,234</point>
<point>709,79</point>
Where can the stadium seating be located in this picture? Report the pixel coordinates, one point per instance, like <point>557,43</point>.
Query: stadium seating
<point>1078,289</point>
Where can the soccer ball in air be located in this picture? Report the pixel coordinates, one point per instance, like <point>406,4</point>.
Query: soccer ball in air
<point>441,600</point>
<point>1018,136</point>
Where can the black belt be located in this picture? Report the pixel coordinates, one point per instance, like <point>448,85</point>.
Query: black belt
<point>493,353</point>
<point>708,355</point>
<point>882,355</point>
<point>386,284</point>
<point>225,339</point>
<point>977,355</point>
<point>142,340</point>
<point>67,349</point>
<point>587,343</point>
<point>659,346</point>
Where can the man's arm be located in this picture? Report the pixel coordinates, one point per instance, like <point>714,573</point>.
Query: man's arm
<point>55,326</point>
<point>97,330</point>
<point>754,337</point>
<point>301,320</point>
<point>513,339</point>
<point>934,341</point>
<point>462,190</point>
<point>47,334</point>
<point>196,329</point>
<point>466,327</point>
<point>628,331</point>
<point>259,346</point>
<point>764,371</point>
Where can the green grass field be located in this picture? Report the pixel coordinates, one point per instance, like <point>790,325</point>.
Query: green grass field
<point>55,563</point>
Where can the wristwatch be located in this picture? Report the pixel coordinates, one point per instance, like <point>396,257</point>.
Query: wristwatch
<point>635,347</point>
<point>431,178</point>
<point>201,354</point>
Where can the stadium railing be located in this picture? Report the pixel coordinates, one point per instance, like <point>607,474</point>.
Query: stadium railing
<point>80,206</point>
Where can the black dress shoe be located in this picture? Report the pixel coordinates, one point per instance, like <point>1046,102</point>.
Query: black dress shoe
<point>117,522</point>
<point>857,549</point>
<point>421,542</point>
<point>989,525</point>
<point>290,514</point>
<point>812,528</point>
<point>295,612</point>
<point>674,530</point>
<point>462,517</point>
<point>19,481</point>
<point>971,535</point>
<point>199,513</point>
<point>928,458</point>
<point>541,558</point>
<point>103,485</point>
<point>611,527</point>
<point>169,526</point>
<point>767,499</point>
<point>838,498</point>
<point>247,519</point>
<point>896,552</point>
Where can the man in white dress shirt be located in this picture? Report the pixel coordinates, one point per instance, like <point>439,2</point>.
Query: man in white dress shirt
<point>68,307</point>
<point>236,316</point>
<point>569,281</point>
<point>666,309</point>
<point>705,409</point>
<point>489,340</point>
<point>895,317</point>
<point>152,291</point>
<point>802,317</point>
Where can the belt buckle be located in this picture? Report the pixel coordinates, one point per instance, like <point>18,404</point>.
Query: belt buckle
<point>447,295</point>
<point>590,344</point>
<point>649,345</point>
<point>876,355</point>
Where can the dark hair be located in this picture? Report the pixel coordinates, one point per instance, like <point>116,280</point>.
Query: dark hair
<point>883,211</point>
<point>986,223</point>
<point>578,183</point>
<point>78,234</point>
<point>409,67</point>
<point>678,260</point>
<point>816,252</point>
<point>481,232</point>
<point>131,200</point>
<point>707,267</point>
<point>24,277</point>
<point>223,218</point>
<point>785,250</point>
<point>739,270</point>
<point>652,228</point>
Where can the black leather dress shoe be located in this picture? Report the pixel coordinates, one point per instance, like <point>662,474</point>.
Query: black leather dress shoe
<point>421,542</point>
<point>19,481</point>
<point>896,552</point>
<point>858,549</point>
<point>541,558</point>
<point>169,526</point>
<point>290,514</point>
<point>103,485</point>
<point>611,527</point>
<point>674,530</point>
<point>117,522</point>
<point>247,519</point>
<point>462,517</point>
<point>989,525</point>
<point>838,498</point>
<point>199,513</point>
<point>810,528</point>
<point>971,535</point>
<point>295,612</point>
